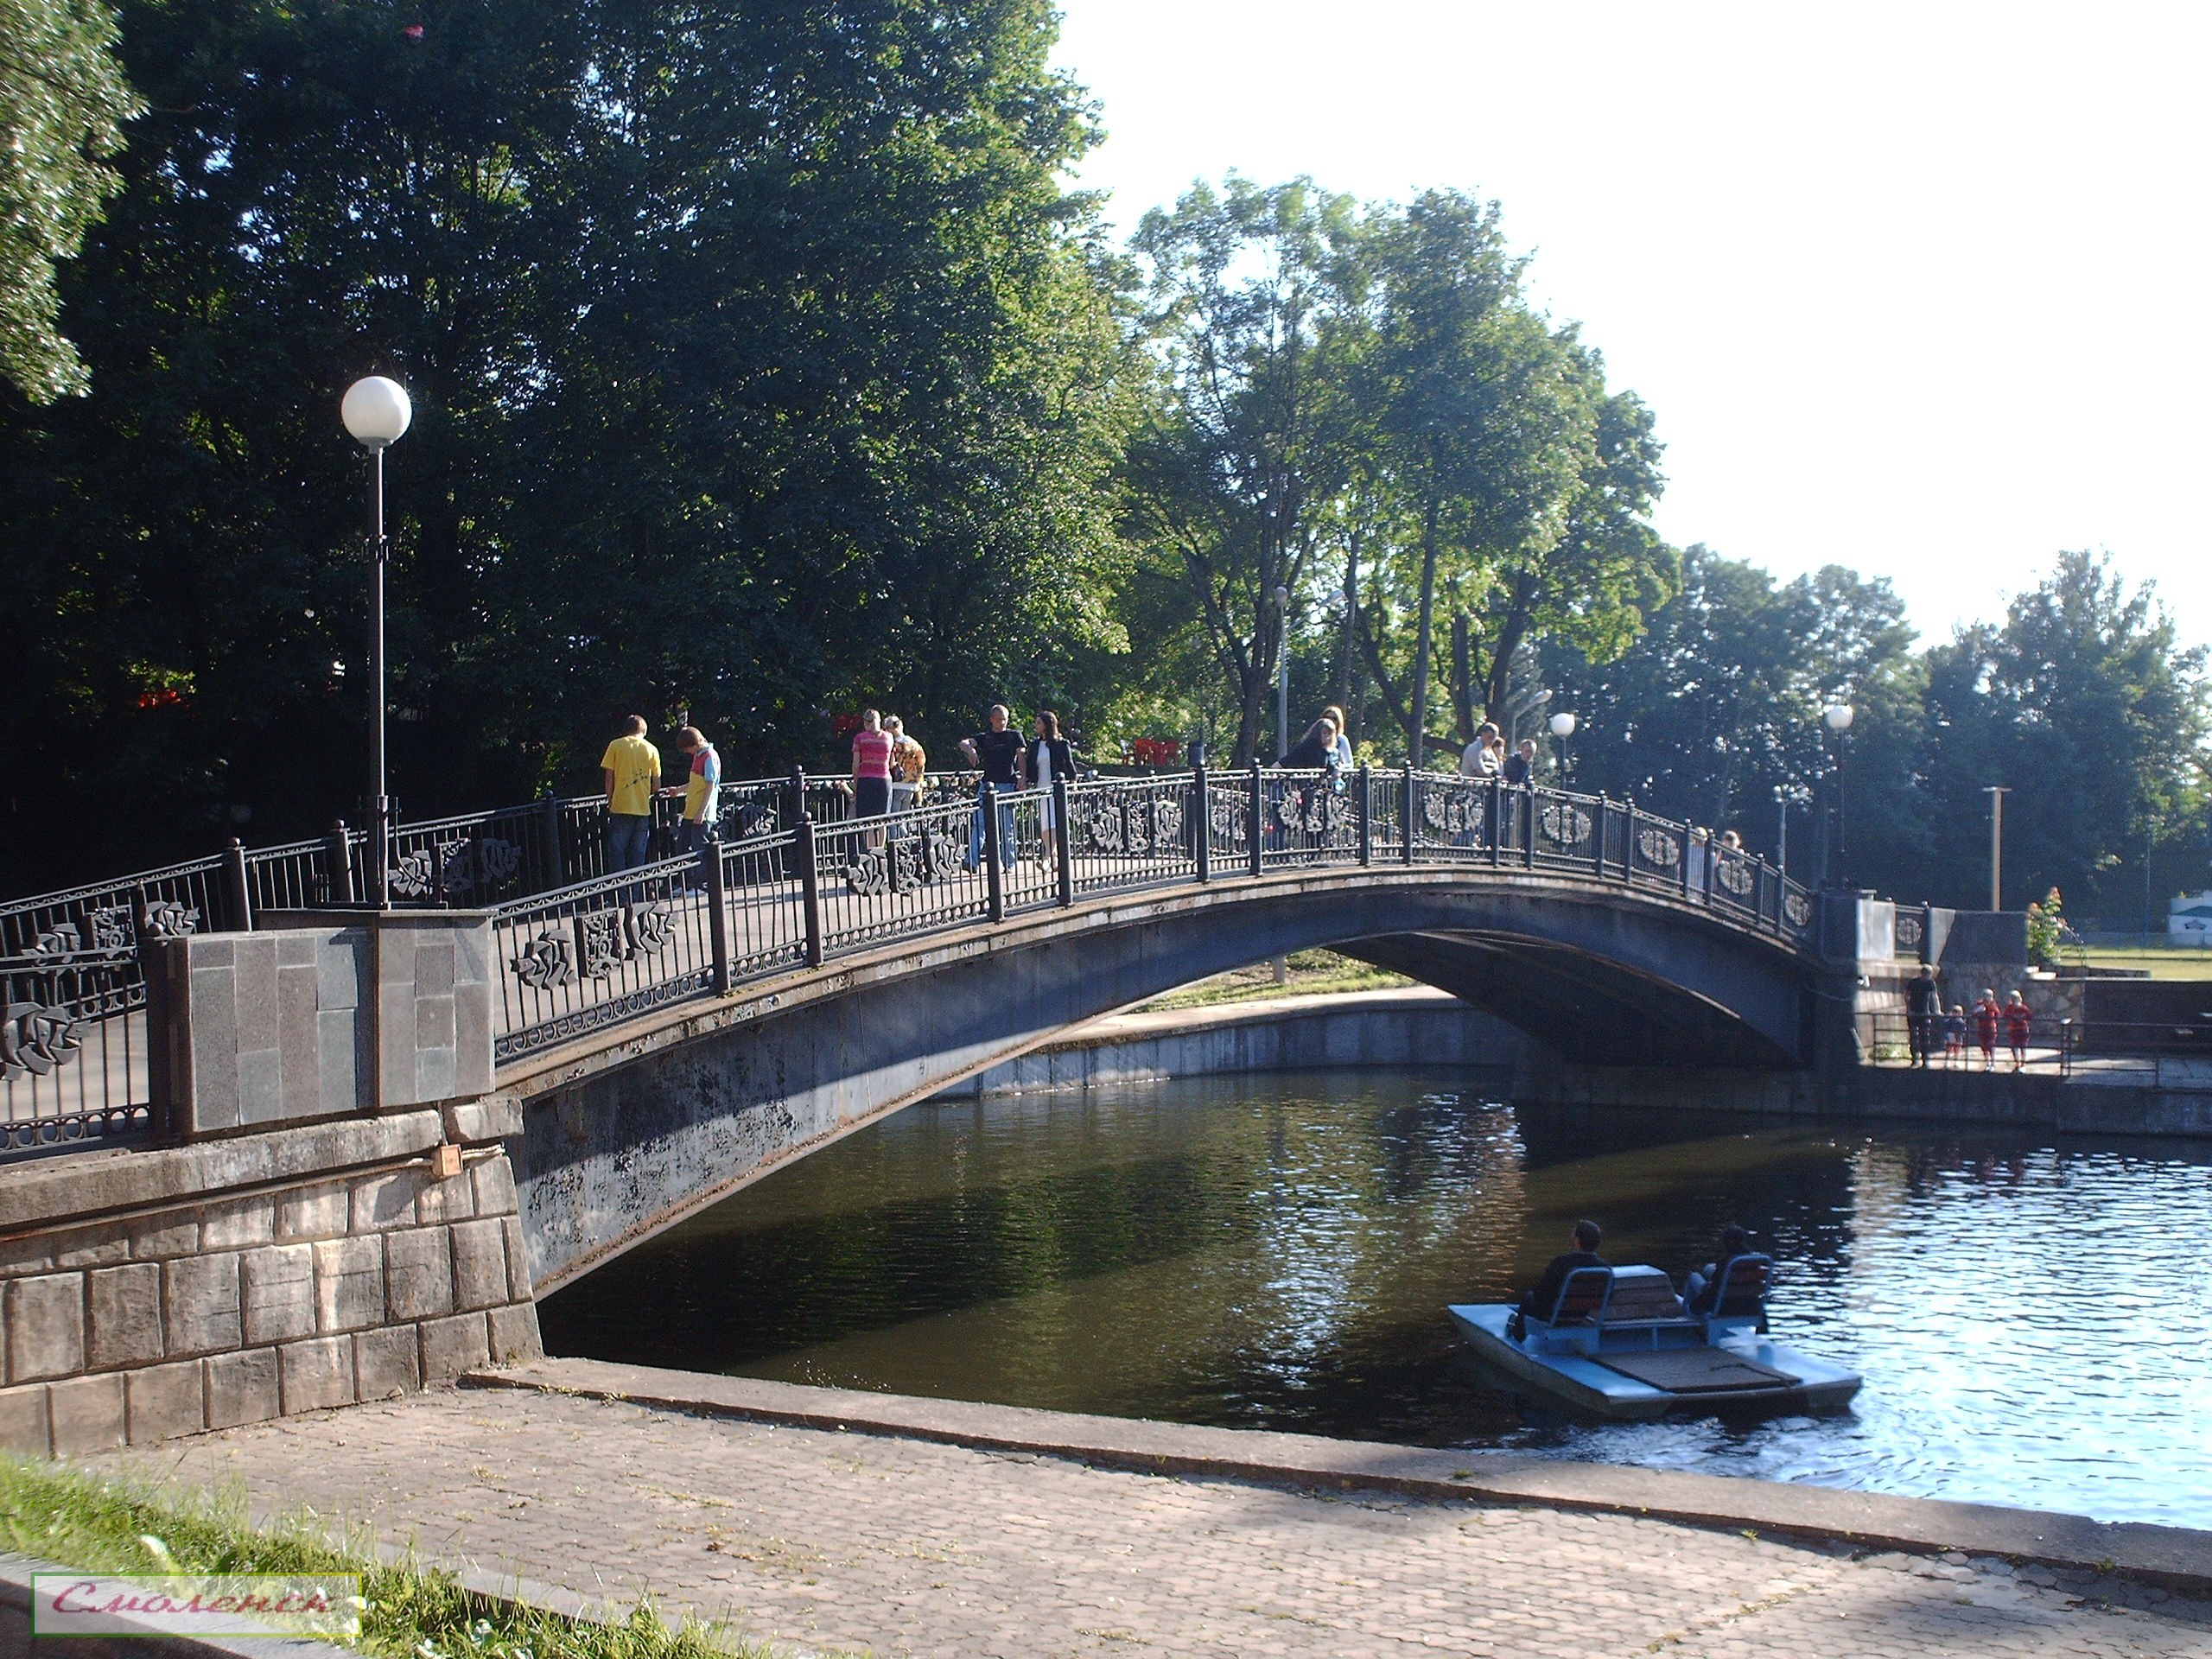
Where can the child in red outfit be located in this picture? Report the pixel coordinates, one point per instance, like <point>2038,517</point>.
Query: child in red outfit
<point>2018,1020</point>
<point>1986,1014</point>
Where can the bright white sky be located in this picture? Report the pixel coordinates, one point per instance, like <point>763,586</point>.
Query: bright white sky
<point>1917,289</point>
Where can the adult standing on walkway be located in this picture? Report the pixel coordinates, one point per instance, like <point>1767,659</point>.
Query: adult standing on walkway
<point>630,772</point>
<point>998,751</point>
<point>1336,717</point>
<point>1923,1007</point>
<point>1521,765</point>
<point>910,763</point>
<point>1048,756</point>
<point>1478,760</point>
<point>702,791</point>
<point>871,771</point>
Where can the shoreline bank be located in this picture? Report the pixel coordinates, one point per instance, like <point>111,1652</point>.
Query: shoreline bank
<point>1423,1028</point>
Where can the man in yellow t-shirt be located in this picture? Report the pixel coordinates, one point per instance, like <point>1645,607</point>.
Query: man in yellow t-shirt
<point>630,770</point>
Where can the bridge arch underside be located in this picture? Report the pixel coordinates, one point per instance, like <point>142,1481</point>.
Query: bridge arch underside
<point>613,1152</point>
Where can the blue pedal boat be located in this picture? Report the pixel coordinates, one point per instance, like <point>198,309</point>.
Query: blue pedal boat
<point>1619,1343</point>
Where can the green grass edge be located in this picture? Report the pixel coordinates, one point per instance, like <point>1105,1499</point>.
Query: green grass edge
<point>92,1522</point>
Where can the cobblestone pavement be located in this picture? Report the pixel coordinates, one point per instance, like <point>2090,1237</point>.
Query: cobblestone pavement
<point>854,1542</point>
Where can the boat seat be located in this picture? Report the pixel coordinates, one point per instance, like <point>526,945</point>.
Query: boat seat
<point>1582,1298</point>
<point>1576,1315</point>
<point>1740,1302</point>
<point>1642,1297</point>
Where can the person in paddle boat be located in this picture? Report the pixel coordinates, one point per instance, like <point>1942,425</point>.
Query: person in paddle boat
<point>1702,1290</point>
<point>1538,1303</point>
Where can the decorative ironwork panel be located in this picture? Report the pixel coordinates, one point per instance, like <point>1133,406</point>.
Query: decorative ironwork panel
<point>166,920</point>
<point>1908,930</point>
<point>548,960</point>
<point>36,1038</point>
<point>1658,847</point>
<point>1798,908</point>
<point>1739,875</point>
<point>1564,825</point>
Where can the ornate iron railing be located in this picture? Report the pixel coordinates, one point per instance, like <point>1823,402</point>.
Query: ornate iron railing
<point>613,948</point>
<point>598,949</point>
<point>72,1048</point>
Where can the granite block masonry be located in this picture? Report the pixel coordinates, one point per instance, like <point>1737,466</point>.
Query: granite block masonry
<point>330,1013</point>
<point>156,1292</point>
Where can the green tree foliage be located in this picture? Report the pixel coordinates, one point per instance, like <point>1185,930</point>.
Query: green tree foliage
<point>1359,405</point>
<point>2084,704</point>
<point>1713,715</point>
<point>2080,703</point>
<point>762,365</point>
<point>1249,435</point>
<point>63,102</point>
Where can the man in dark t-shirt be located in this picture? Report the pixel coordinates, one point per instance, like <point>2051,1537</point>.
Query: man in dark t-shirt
<point>1923,1006</point>
<point>998,751</point>
<point>1539,1303</point>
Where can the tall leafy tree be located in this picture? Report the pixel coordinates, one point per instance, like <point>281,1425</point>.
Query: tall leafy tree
<point>1519,487</point>
<point>2086,706</point>
<point>1249,437</point>
<point>762,364</point>
<point>63,103</point>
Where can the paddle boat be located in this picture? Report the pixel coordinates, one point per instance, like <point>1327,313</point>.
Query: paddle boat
<point>1619,1343</point>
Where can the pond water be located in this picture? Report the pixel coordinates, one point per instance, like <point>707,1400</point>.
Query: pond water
<point>2031,1312</point>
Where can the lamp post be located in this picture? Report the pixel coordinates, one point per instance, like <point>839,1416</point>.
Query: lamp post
<point>375,412</point>
<point>1282,673</point>
<point>1996,792</point>
<point>1562,725</point>
<point>1837,718</point>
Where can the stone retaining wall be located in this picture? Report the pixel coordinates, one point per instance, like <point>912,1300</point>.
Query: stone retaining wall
<point>246,1301</point>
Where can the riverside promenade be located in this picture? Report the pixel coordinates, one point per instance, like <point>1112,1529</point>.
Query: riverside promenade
<point>835,1523</point>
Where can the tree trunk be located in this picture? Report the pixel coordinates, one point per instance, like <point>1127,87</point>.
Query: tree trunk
<point>1425,640</point>
<point>1515,628</point>
<point>1463,677</point>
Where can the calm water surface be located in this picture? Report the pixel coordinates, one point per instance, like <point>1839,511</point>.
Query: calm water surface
<point>2031,1313</point>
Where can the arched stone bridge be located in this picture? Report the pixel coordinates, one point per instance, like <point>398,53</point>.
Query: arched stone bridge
<point>676,1032</point>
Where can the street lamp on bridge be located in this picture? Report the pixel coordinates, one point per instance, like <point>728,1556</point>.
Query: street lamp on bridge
<point>1837,717</point>
<point>1562,725</point>
<point>377,412</point>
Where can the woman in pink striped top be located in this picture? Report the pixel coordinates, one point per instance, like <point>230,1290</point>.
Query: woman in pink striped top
<point>871,769</point>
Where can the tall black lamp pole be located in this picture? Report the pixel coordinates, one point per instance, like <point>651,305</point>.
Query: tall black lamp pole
<point>376,411</point>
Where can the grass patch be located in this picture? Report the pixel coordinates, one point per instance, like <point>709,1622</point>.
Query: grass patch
<point>1312,972</point>
<point>2161,964</point>
<point>414,1612</point>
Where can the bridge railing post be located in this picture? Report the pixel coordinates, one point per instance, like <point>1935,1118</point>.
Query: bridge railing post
<point>1494,821</point>
<point>710,856</point>
<point>1689,840</point>
<point>809,884</point>
<point>238,898</point>
<point>1406,808</point>
<point>1628,842</point>
<point>338,863</point>
<point>1259,835</point>
<point>1364,817</point>
<point>1601,826</point>
<point>1062,843</point>
<point>549,830</point>
<point>1529,826</point>
<point>994,875</point>
<point>1202,816</point>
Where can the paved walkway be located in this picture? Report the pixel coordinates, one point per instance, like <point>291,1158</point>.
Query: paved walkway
<point>846,1541</point>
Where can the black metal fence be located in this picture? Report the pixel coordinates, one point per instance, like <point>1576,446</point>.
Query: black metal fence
<point>613,948</point>
<point>72,1048</point>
